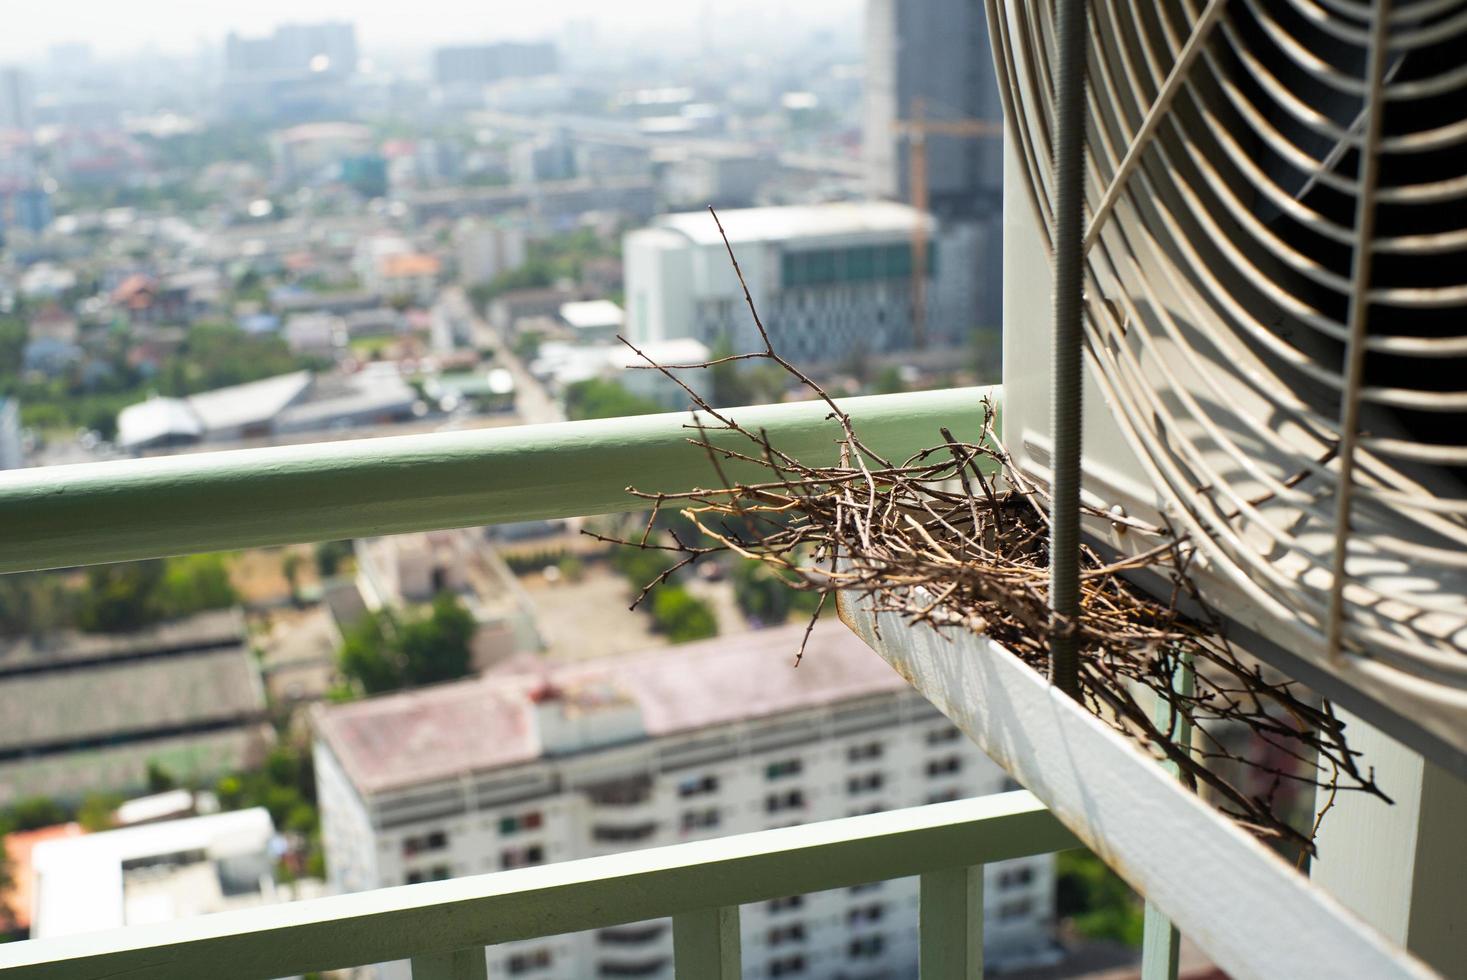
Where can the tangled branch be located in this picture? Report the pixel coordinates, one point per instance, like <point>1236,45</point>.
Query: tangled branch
<point>954,538</point>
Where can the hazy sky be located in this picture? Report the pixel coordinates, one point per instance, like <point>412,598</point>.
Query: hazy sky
<point>30,27</point>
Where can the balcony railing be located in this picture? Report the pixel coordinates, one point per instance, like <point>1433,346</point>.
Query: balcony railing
<point>1252,913</point>
<point>442,927</point>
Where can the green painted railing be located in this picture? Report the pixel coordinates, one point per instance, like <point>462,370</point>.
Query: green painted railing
<point>102,512</point>
<point>443,926</point>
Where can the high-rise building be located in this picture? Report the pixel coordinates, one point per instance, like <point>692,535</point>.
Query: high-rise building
<point>483,64</point>
<point>517,768</point>
<point>933,57</point>
<point>298,72</point>
<point>17,100</point>
<point>830,280</point>
<point>933,61</point>
<point>293,50</point>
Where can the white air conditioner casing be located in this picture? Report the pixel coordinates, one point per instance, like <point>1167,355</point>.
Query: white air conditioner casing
<point>1156,413</point>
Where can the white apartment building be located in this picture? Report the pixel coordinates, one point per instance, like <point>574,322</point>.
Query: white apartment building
<point>828,279</point>
<point>156,872</point>
<point>537,763</point>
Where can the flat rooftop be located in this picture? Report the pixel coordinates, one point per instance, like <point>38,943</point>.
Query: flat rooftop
<point>841,219</point>
<point>436,733</point>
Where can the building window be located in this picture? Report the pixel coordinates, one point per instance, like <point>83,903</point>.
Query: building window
<point>1020,908</point>
<point>436,873</point>
<point>865,888</point>
<point>945,766</point>
<point>786,904</point>
<point>866,947</point>
<point>700,819</point>
<point>424,843</point>
<point>520,963</point>
<point>521,857</point>
<point>697,786</point>
<point>943,795</point>
<point>865,914</point>
<point>861,811</point>
<point>947,733</point>
<point>792,933</point>
<point>530,820</point>
<point>645,968</point>
<point>787,966</point>
<point>631,935</point>
<point>621,792</point>
<point>785,767</point>
<point>613,834</point>
<point>864,752</point>
<point>865,783</point>
<point>1015,877</point>
<point>779,802</point>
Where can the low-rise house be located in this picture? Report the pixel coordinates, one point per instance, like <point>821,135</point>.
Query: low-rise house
<point>88,713</point>
<point>405,569</point>
<point>412,276</point>
<point>593,320</point>
<point>508,308</point>
<point>562,364</point>
<point>155,873</point>
<point>315,333</point>
<point>285,404</point>
<point>54,323</point>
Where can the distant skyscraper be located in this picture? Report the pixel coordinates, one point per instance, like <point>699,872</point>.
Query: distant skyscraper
<point>293,50</point>
<point>481,64</point>
<point>299,72</point>
<point>17,100</point>
<point>938,52</point>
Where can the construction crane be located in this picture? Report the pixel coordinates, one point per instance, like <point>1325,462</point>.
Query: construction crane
<point>917,129</point>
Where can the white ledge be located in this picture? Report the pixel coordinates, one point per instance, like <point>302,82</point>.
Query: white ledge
<point>1249,910</point>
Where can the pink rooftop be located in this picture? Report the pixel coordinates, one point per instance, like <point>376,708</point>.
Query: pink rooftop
<point>488,722</point>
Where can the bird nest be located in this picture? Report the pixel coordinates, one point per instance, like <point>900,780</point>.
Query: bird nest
<point>954,538</point>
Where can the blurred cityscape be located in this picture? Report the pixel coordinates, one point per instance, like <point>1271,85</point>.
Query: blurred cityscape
<point>287,236</point>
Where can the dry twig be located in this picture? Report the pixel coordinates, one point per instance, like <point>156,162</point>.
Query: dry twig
<point>913,537</point>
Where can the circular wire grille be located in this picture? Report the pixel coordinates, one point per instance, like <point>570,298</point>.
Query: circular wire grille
<point>1276,283</point>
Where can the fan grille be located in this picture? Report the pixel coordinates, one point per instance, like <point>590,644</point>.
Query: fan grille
<point>1277,276</point>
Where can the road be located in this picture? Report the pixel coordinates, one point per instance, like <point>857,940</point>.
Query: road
<point>532,402</point>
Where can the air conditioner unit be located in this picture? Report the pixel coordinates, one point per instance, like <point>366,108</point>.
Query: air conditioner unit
<point>1276,322</point>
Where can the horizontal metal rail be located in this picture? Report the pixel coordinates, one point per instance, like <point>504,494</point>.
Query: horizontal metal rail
<point>429,923</point>
<point>90,513</point>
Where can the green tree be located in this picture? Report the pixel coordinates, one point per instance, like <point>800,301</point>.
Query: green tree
<point>160,780</point>
<point>527,345</point>
<point>598,398</point>
<point>386,652</point>
<point>640,566</point>
<point>366,657</point>
<point>290,567</point>
<point>1098,902</point>
<point>98,812</point>
<point>728,380</point>
<point>120,598</point>
<point>33,813</point>
<point>437,648</point>
<point>681,615</point>
<point>194,583</point>
<point>761,594</point>
<point>330,555</point>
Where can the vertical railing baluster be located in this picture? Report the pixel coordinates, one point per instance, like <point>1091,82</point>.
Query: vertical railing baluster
<point>1160,941</point>
<point>705,944</point>
<point>455,964</point>
<point>950,912</point>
